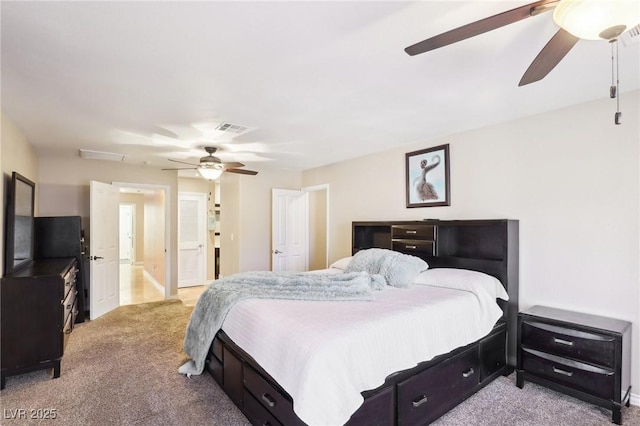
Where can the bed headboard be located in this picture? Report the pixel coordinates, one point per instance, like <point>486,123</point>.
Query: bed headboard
<point>489,246</point>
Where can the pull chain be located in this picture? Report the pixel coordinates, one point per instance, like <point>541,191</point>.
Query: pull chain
<point>614,90</point>
<point>618,116</point>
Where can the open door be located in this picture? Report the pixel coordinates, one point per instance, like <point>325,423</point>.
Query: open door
<point>192,244</point>
<point>290,230</point>
<point>104,270</point>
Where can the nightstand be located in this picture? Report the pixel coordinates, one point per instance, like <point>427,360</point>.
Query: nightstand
<point>584,356</point>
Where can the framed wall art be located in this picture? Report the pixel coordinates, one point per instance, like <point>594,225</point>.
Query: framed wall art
<point>427,178</point>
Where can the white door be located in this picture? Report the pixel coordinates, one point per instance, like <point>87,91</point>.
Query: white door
<point>127,214</point>
<point>192,249</point>
<point>289,230</point>
<point>104,293</point>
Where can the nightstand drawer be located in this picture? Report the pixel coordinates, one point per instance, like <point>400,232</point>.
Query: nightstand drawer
<point>579,345</point>
<point>584,377</point>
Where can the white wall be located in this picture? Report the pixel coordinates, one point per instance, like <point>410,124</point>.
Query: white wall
<point>245,218</point>
<point>571,177</point>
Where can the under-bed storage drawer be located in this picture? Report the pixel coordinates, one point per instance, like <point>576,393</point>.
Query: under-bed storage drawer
<point>377,410</point>
<point>256,413</point>
<point>215,359</point>
<point>426,396</point>
<point>269,397</point>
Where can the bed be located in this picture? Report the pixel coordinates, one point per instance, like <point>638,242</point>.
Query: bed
<point>282,361</point>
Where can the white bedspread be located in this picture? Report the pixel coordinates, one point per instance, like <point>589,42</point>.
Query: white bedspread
<point>324,354</point>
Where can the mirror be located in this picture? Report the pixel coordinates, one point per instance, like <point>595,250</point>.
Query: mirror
<point>19,225</point>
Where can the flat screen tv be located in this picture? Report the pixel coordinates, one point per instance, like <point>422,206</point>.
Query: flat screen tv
<point>19,223</point>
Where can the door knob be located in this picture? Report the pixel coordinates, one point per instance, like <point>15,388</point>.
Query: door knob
<point>95,257</point>
<point>277,252</point>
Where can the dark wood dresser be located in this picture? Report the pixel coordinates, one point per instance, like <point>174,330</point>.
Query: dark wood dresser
<point>38,309</point>
<point>585,356</point>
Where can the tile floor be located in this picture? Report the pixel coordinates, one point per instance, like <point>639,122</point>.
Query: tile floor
<point>136,288</point>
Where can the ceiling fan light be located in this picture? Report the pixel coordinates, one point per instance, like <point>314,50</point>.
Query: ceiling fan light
<point>209,172</point>
<point>597,19</point>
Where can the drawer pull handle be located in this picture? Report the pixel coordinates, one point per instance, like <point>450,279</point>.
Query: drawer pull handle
<point>413,231</point>
<point>410,247</point>
<point>468,373</point>
<point>269,400</point>
<point>563,372</point>
<point>562,341</point>
<point>421,400</point>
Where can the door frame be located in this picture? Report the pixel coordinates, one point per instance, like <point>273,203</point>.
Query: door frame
<point>323,187</point>
<point>167,226</point>
<point>203,197</point>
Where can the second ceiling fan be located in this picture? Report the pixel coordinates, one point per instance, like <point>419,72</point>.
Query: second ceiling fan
<point>578,19</point>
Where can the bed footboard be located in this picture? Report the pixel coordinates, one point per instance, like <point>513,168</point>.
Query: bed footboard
<point>416,396</point>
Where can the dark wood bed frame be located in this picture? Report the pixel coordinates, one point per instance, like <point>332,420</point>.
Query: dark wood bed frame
<point>421,394</point>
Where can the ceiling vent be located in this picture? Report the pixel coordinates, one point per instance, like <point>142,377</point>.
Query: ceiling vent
<point>231,128</point>
<point>99,155</point>
<point>631,37</point>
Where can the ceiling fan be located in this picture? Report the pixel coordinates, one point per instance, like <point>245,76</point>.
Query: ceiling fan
<point>211,167</point>
<point>578,19</point>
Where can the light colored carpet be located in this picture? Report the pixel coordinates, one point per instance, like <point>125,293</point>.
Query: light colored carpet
<point>121,369</point>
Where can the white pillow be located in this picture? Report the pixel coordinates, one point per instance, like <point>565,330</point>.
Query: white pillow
<point>461,278</point>
<point>341,263</point>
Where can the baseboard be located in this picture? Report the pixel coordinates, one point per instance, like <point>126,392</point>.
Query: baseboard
<point>155,283</point>
<point>635,400</point>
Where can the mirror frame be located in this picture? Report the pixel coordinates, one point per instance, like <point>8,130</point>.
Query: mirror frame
<point>17,182</point>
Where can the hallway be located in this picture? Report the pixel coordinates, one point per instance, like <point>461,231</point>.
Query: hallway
<point>136,288</point>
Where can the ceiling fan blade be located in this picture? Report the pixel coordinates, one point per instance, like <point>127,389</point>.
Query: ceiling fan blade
<point>232,164</point>
<point>242,171</point>
<point>480,27</point>
<point>550,55</point>
<point>183,162</point>
<point>182,168</point>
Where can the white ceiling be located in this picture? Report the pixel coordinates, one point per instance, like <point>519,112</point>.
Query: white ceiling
<point>315,82</point>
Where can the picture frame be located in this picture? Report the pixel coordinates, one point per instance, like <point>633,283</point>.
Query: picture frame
<point>427,177</point>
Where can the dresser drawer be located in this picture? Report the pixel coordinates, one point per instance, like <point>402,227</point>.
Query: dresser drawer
<point>269,397</point>
<point>67,306</point>
<point>70,312</point>
<point>582,346</point>
<point>577,375</point>
<point>413,232</point>
<point>417,246</point>
<point>426,396</point>
<point>70,280</point>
